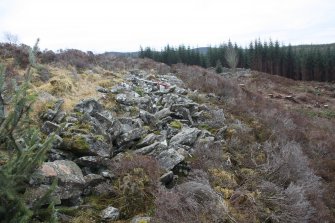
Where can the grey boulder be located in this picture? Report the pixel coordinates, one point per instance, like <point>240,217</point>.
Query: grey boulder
<point>187,136</point>
<point>89,106</point>
<point>110,213</point>
<point>168,159</point>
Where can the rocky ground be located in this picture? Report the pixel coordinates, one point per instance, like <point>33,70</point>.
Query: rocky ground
<point>152,115</point>
<point>138,141</point>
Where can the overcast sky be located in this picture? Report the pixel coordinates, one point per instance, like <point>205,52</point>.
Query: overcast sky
<point>125,25</point>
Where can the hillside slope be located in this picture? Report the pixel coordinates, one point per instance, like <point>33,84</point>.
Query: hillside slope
<point>141,141</point>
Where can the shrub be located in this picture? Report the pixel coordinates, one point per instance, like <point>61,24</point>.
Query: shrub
<point>192,201</point>
<point>80,60</point>
<point>48,56</point>
<point>218,67</point>
<point>21,56</point>
<point>289,181</point>
<point>288,204</point>
<point>136,185</point>
<point>26,150</point>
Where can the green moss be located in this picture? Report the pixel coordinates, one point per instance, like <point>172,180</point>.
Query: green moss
<point>139,91</point>
<point>3,157</point>
<point>176,124</point>
<point>81,127</point>
<point>72,211</point>
<point>327,113</point>
<point>80,143</point>
<point>76,143</point>
<point>99,137</point>
<point>208,128</point>
<point>100,202</point>
<point>134,111</point>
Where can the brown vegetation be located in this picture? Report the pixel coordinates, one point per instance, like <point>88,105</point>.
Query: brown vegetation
<point>303,129</point>
<point>275,162</point>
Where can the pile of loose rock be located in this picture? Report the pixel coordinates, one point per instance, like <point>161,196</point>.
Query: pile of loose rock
<point>153,116</point>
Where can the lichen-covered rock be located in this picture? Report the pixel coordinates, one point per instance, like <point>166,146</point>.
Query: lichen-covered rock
<point>110,213</point>
<point>153,149</point>
<point>57,154</point>
<point>50,127</point>
<point>147,117</point>
<point>93,179</point>
<point>132,98</point>
<point>102,90</point>
<point>139,219</point>
<point>132,122</point>
<point>80,145</point>
<point>34,193</point>
<point>105,119</point>
<point>70,180</point>
<point>132,135</point>
<point>60,117</point>
<point>165,112</point>
<point>187,136</point>
<point>183,113</point>
<point>65,171</point>
<point>104,189</point>
<point>168,159</point>
<point>50,114</point>
<point>149,139</point>
<point>92,162</point>
<point>89,106</point>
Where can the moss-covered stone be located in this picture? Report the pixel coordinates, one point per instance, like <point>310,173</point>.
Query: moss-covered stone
<point>99,137</point>
<point>139,91</point>
<point>76,143</point>
<point>81,127</point>
<point>3,157</point>
<point>134,111</point>
<point>100,202</point>
<point>208,128</point>
<point>176,124</point>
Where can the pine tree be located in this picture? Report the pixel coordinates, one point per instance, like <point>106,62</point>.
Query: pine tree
<point>231,56</point>
<point>218,67</point>
<point>26,150</point>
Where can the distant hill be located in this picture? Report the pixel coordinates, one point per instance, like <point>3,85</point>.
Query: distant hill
<point>316,46</point>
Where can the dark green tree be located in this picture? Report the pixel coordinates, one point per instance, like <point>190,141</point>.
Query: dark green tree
<point>218,67</point>
<point>25,148</point>
<point>308,62</point>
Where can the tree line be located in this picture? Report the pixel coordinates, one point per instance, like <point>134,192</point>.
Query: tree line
<point>304,62</point>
